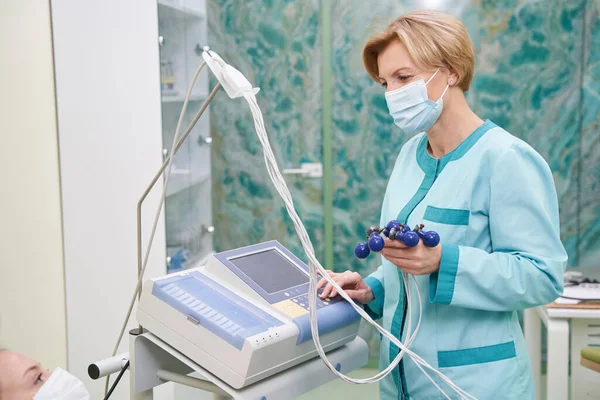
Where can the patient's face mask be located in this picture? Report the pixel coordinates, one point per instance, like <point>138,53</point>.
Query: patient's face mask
<point>62,386</point>
<point>411,108</point>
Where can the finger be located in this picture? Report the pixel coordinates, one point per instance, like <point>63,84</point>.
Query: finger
<point>324,280</point>
<point>402,263</point>
<point>345,279</point>
<point>321,283</point>
<point>403,253</point>
<point>355,278</point>
<point>342,280</point>
<point>326,291</point>
<point>394,244</point>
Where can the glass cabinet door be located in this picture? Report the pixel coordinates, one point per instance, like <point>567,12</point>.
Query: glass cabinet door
<point>188,213</point>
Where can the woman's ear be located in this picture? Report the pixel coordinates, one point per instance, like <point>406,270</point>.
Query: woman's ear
<point>452,77</point>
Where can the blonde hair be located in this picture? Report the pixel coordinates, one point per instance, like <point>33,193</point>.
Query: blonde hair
<point>433,39</point>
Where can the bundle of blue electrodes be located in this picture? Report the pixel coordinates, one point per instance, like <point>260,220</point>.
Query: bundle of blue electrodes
<point>395,231</point>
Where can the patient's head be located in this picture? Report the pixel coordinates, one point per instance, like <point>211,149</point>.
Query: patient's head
<point>20,377</point>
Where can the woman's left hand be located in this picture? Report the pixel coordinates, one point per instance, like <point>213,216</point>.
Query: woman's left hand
<point>418,260</point>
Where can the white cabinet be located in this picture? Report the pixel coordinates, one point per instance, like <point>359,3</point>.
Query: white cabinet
<point>182,28</point>
<point>114,120</point>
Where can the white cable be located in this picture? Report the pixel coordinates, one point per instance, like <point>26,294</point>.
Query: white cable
<point>315,266</point>
<point>282,188</point>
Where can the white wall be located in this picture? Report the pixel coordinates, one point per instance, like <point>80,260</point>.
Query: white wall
<point>32,303</point>
<point>109,121</point>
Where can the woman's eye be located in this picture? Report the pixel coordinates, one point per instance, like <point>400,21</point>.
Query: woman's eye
<point>384,84</point>
<point>404,77</point>
<point>39,379</point>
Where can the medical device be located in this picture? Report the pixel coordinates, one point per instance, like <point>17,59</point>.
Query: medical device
<point>236,85</point>
<point>244,315</point>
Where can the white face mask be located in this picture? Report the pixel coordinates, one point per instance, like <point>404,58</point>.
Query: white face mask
<point>62,386</point>
<point>411,108</point>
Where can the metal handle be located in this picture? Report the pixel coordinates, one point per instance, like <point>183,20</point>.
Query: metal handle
<point>202,140</point>
<point>308,170</point>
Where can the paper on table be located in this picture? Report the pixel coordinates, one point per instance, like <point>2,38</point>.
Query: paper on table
<point>562,300</point>
<point>582,292</point>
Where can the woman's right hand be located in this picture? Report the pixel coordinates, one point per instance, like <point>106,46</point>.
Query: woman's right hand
<point>352,283</point>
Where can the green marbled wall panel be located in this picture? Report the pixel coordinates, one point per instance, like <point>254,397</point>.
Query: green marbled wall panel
<point>589,244</point>
<point>276,44</point>
<point>528,81</point>
<point>531,79</point>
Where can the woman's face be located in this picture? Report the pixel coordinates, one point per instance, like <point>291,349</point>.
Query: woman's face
<point>20,377</point>
<point>397,69</point>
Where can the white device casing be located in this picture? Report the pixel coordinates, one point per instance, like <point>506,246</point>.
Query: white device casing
<point>262,355</point>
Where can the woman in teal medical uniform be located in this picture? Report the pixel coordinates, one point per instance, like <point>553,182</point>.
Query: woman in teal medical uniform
<point>491,198</point>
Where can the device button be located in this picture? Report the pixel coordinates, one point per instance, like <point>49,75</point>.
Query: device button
<point>227,325</point>
<point>203,310</point>
<point>172,289</point>
<point>184,296</point>
<point>189,301</point>
<point>195,304</point>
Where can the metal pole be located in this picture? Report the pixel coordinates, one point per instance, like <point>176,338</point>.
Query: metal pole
<point>158,175</point>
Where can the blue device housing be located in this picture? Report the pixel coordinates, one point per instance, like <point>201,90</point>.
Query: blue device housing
<point>231,317</point>
<point>216,308</point>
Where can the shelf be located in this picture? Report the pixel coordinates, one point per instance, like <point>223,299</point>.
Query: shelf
<point>180,98</point>
<point>181,10</point>
<point>180,182</point>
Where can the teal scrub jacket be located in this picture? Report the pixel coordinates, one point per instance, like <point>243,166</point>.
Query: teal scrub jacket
<point>494,204</point>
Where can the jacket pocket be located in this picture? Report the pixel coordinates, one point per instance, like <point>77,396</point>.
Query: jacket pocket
<point>448,216</point>
<point>476,355</point>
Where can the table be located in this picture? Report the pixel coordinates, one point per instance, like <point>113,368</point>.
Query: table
<point>578,324</point>
<point>153,362</point>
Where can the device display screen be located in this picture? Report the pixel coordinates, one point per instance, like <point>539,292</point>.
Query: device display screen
<point>270,270</point>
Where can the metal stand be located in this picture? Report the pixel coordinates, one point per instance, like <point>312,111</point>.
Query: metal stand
<point>162,169</point>
<point>153,362</point>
